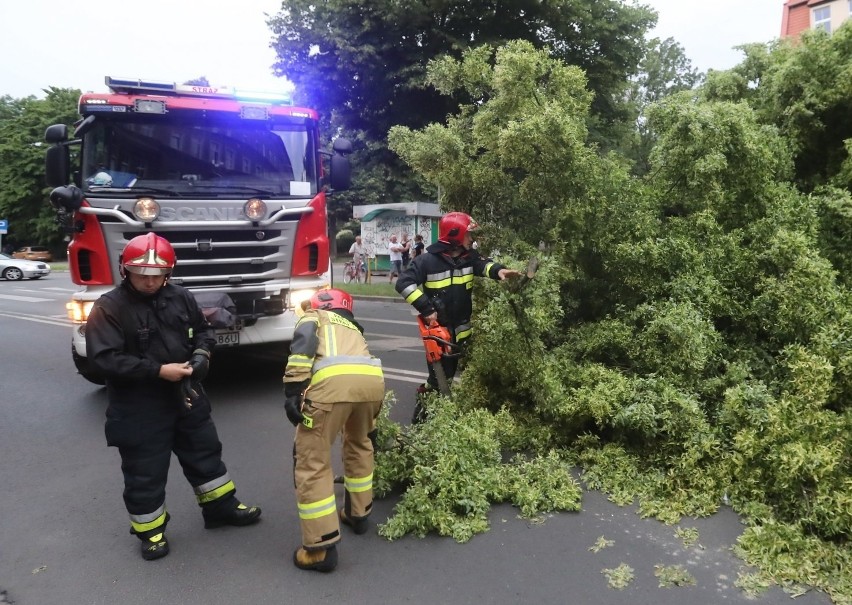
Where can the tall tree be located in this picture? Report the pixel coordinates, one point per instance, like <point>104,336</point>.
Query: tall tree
<point>805,89</point>
<point>664,71</point>
<point>363,63</point>
<point>23,193</point>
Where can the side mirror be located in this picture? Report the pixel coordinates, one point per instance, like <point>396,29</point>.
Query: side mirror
<point>58,133</point>
<point>56,165</point>
<point>66,198</point>
<point>342,145</point>
<point>341,171</point>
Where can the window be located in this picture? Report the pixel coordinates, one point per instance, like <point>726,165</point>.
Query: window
<point>232,155</point>
<point>822,18</point>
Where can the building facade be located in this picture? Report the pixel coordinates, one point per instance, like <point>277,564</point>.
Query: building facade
<point>800,15</point>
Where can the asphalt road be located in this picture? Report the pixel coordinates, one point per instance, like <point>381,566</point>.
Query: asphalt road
<point>63,527</point>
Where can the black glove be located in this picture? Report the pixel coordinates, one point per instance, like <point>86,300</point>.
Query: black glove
<point>200,364</point>
<point>189,390</point>
<point>293,405</point>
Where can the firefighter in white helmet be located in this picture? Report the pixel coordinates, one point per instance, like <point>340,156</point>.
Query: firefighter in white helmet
<point>152,344</point>
<point>331,383</point>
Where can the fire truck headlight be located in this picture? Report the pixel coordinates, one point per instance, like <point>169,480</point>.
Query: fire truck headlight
<point>255,209</point>
<point>297,297</point>
<point>78,310</point>
<point>146,209</point>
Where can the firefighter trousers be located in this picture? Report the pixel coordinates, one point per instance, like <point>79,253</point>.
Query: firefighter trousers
<point>313,474</point>
<point>146,442</point>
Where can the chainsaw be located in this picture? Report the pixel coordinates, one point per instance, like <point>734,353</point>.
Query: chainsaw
<point>438,344</point>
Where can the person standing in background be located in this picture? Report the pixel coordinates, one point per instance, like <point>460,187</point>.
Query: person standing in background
<point>359,255</point>
<point>406,250</point>
<point>418,247</point>
<point>395,251</point>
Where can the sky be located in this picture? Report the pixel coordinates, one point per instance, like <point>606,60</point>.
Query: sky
<point>75,44</point>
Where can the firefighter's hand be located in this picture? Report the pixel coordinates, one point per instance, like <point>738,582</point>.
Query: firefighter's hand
<point>504,273</point>
<point>174,372</point>
<point>431,319</point>
<point>200,364</point>
<point>293,405</point>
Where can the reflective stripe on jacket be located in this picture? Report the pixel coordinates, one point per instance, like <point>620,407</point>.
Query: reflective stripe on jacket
<point>330,353</point>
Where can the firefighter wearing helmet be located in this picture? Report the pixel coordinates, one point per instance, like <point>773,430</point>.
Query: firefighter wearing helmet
<point>331,385</point>
<point>439,283</point>
<point>151,342</point>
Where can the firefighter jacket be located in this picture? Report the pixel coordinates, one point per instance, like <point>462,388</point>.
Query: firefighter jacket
<point>129,336</point>
<point>330,361</point>
<point>438,282</point>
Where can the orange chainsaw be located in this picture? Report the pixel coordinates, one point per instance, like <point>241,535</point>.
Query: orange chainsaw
<point>438,344</point>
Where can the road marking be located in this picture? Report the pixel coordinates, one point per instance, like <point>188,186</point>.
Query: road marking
<point>394,343</point>
<point>38,319</point>
<point>41,291</point>
<point>416,378</point>
<point>61,289</point>
<point>25,298</point>
<point>416,373</point>
<point>402,322</point>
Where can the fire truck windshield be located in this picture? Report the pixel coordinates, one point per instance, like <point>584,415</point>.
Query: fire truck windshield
<point>186,158</point>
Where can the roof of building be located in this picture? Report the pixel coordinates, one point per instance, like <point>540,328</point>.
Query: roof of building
<point>370,211</point>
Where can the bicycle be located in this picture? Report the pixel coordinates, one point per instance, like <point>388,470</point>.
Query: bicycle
<point>351,272</point>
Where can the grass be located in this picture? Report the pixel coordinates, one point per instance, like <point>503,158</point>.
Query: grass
<point>379,287</point>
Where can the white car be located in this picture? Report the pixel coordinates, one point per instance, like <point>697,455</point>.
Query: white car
<point>15,269</point>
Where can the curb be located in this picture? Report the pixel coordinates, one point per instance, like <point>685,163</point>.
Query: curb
<point>387,299</point>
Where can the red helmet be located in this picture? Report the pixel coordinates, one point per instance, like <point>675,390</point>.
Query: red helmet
<point>331,298</point>
<point>148,254</point>
<point>454,226</point>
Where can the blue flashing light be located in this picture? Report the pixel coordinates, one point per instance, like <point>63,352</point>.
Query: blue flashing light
<point>128,85</point>
<point>260,95</point>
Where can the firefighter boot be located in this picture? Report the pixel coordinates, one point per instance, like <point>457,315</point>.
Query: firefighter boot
<point>238,515</point>
<point>154,544</point>
<point>323,560</point>
<point>420,404</point>
<point>358,524</point>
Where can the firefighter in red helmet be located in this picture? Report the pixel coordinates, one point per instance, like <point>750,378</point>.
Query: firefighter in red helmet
<point>439,282</point>
<point>331,383</point>
<point>151,342</point>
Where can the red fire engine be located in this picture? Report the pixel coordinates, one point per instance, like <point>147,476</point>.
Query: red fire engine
<point>234,180</point>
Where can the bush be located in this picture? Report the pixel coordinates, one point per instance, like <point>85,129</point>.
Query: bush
<point>344,240</point>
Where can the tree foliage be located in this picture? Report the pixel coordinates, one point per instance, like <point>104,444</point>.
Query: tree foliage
<point>664,71</point>
<point>363,64</point>
<point>805,89</point>
<point>23,194</point>
<point>686,338</point>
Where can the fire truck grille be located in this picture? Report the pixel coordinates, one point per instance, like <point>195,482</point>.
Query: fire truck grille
<point>214,258</point>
